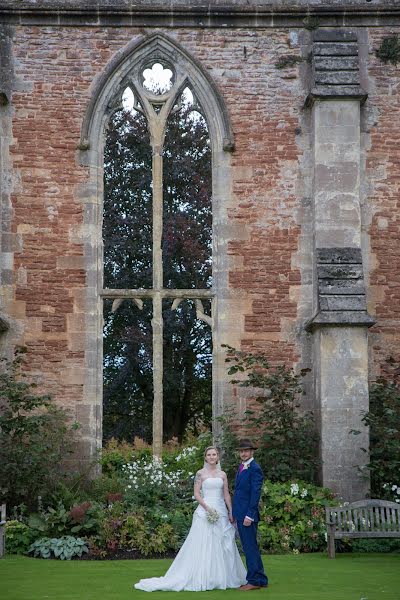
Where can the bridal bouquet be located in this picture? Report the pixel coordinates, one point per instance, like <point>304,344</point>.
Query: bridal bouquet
<point>212,516</point>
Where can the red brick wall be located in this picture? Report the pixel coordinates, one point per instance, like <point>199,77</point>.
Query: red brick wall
<point>55,69</point>
<point>382,210</point>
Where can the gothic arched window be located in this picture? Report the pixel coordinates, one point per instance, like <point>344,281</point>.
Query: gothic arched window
<point>164,146</point>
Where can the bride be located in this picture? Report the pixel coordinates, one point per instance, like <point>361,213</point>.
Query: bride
<point>209,558</point>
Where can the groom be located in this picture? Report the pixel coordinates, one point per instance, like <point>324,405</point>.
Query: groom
<point>246,497</point>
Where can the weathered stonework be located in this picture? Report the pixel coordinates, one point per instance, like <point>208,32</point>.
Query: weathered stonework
<point>306,192</point>
<point>340,287</point>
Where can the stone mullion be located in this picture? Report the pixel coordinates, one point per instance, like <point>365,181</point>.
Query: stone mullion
<point>157,320</point>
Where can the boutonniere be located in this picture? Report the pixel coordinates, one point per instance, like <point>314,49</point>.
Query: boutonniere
<point>245,467</point>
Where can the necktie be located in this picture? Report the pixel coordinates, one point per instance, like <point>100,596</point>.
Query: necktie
<point>241,467</point>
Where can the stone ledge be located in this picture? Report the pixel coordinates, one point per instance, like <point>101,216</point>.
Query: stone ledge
<point>335,49</point>
<point>340,318</point>
<point>197,13</point>
<point>342,302</point>
<point>334,35</point>
<point>335,93</point>
<point>337,256</point>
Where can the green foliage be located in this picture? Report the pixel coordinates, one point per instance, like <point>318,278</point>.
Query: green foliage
<point>287,440</point>
<point>64,548</point>
<point>181,520</point>
<point>189,457</point>
<point>150,483</point>
<point>229,443</point>
<point>292,517</point>
<point>70,490</point>
<point>146,532</point>
<point>311,23</point>
<point>376,545</point>
<point>389,50</point>
<point>18,537</point>
<point>57,521</point>
<point>34,437</point>
<point>115,454</point>
<point>82,518</point>
<point>152,540</point>
<point>105,485</point>
<point>383,420</point>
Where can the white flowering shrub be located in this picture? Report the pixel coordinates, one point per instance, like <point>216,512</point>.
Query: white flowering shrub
<point>150,482</point>
<point>391,489</point>
<point>293,517</point>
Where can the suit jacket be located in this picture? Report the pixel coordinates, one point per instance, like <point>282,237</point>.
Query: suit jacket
<point>247,493</point>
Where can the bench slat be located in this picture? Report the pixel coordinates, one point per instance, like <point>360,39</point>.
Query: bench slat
<point>362,519</point>
<point>355,520</point>
<point>350,520</point>
<point>366,534</point>
<point>394,519</point>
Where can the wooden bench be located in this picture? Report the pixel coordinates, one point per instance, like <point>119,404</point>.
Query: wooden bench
<point>2,529</point>
<point>362,519</point>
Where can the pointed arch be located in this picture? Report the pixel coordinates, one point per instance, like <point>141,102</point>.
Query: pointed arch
<point>130,61</point>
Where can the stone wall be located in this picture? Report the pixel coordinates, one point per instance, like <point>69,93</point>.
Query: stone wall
<point>50,218</point>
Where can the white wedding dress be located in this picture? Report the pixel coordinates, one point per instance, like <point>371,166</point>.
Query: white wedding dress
<point>209,558</point>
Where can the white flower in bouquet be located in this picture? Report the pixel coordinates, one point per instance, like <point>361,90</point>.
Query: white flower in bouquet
<point>212,515</point>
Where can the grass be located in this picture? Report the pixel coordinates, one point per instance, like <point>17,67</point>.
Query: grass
<point>301,577</point>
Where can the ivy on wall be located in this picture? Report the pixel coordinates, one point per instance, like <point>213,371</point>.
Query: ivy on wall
<point>389,50</point>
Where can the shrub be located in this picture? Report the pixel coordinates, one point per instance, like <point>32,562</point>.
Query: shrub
<point>147,535</point>
<point>229,444</point>
<point>64,548</point>
<point>180,521</point>
<point>143,531</point>
<point>292,517</point>
<point>34,437</point>
<point>99,489</point>
<point>376,545</point>
<point>115,454</point>
<point>287,439</point>
<point>383,420</point>
<point>190,457</point>
<point>71,490</point>
<point>55,522</point>
<point>18,537</point>
<point>149,484</point>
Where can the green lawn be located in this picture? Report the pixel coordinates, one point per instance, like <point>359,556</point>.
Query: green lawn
<point>301,577</point>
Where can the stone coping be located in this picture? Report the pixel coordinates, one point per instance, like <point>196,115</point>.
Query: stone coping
<point>275,5</point>
<point>197,13</point>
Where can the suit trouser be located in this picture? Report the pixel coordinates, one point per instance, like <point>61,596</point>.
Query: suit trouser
<point>255,568</point>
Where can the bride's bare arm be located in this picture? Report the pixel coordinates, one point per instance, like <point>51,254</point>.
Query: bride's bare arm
<point>197,490</point>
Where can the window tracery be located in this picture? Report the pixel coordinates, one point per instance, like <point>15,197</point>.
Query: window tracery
<point>158,103</point>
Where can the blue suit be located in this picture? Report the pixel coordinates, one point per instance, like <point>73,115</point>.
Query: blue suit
<point>245,502</point>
